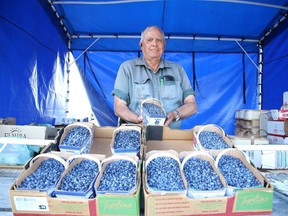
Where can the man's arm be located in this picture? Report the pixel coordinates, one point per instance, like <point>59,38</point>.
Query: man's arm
<point>122,110</point>
<point>187,109</point>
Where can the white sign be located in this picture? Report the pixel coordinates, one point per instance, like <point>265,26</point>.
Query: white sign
<point>31,203</point>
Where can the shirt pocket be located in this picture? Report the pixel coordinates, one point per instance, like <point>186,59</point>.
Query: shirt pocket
<point>170,90</point>
<point>142,89</point>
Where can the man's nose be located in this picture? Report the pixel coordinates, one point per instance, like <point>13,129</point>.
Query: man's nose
<point>154,42</point>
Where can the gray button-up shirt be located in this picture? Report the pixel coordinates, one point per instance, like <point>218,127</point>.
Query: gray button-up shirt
<point>136,82</point>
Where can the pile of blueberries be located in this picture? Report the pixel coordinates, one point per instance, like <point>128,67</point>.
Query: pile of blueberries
<point>236,173</point>
<point>45,176</point>
<point>78,136</point>
<point>118,176</point>
<point>212,140</point>
<point>80,177</point>
<point>200,175</point>
<point>153,109</point>
<point>127,139</point>
<point>164,174</point>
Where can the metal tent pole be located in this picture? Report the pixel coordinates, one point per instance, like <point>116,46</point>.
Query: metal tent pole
<point>68,80</point>
<point>260,77</point>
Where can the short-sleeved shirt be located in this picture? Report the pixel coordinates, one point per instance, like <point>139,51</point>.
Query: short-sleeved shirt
<point>136,82</point>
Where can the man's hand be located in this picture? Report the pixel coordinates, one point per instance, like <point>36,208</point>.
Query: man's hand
<point>170,118</point>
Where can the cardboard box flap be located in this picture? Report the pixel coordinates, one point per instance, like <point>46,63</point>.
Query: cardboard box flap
<point>165,133</point>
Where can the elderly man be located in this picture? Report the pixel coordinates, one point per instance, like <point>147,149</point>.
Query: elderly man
<point>151,76</point>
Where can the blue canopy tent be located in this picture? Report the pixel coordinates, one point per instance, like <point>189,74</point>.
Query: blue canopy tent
<point>234,52</point>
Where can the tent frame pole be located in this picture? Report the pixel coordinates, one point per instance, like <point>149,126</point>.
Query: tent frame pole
<point>260,76</point>
<point>68,80</point>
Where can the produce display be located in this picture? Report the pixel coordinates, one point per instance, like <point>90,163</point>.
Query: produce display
<point>177,178</point>
<point>80,177</point>
<point>212,140</point>
<point>118,176</point>
<point>163,174</point>
<point>200,175</point>
<point>236,173</point>
<point>45,176</point>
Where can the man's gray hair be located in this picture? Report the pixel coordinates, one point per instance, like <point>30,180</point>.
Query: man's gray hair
<point>148,29</point>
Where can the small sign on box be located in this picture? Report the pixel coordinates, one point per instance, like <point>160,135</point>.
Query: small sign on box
<point>275,127</point>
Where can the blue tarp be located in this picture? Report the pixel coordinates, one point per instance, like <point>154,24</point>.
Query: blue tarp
<point>201,36</point>
<point>217,98</point>
<point>32,64</point>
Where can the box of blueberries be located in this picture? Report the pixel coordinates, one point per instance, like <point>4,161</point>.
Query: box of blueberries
<point>126,140</point>
<point>106,201</point>
<point>211,137</point>
<point>75,183</point>
<point>118,186</point>
<point>39,166</point>
<point>153,112</point>
<point>252,194</point>
<point>77,138</point>
<point>32,193</point>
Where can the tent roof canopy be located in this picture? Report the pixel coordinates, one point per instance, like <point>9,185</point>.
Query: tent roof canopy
<point>189,25</point>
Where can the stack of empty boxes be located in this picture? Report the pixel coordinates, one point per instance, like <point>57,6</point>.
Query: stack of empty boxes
<point>248,123</point>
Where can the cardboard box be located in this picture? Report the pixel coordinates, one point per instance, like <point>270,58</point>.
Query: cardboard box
<point>245,202</point>
<point>38,203</point>
<point>110,204</point>
<point>27,131</point>
<point>25,203</point>
<point>119,204</point>
<point>164,138</point>
<point>277,128</point>
<point>277,139</point>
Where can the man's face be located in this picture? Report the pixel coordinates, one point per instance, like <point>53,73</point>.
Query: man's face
<point>153,44</point>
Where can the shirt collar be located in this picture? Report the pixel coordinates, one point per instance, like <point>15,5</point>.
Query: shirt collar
<point>141,61</point>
